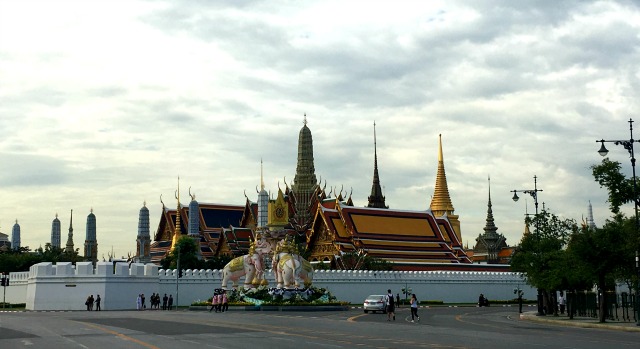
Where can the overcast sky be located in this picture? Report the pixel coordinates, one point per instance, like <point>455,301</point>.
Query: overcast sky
<point>103,104</point>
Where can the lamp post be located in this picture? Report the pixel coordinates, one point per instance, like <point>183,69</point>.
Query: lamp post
<point>534,194</point>
<point>628,145</point>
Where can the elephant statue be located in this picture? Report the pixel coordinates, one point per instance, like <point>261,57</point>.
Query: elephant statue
<point>289,267</point>
<point>249,265</point>
<point>237,268</point>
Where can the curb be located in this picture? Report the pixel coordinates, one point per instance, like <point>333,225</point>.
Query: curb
<point>577,323</point>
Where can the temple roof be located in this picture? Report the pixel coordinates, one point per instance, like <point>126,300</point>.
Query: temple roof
<point>405,237</point>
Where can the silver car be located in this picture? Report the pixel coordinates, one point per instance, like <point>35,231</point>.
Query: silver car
<point>375,302</point>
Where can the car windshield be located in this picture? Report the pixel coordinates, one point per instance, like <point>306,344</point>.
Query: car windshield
<point>375,298</point>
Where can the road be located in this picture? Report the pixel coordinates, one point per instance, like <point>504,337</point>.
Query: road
<point>465,327</point>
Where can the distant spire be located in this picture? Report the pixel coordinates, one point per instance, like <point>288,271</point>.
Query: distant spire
<point>69,247</point>
<point>177,232</point>
<point>590,222</point>
<point>441,201</point>
<point>490,227</point>
<point>261,176</point>
<point>376,199</point>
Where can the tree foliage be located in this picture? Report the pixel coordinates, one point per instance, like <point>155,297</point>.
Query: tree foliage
<point>620,189</point>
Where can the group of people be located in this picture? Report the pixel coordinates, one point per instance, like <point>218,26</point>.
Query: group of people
<point>91,302</point>
<point>392,303</point>
<point>167,302</point>
<point>219,301</point>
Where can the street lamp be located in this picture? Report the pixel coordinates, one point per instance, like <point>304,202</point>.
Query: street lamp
<point>628,145</point>
<point>534,194</point>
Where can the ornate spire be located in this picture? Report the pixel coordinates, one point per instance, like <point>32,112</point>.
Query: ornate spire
<point>261,176</point>
<point>177,232</point>
<point>441,201</point>
<point>490,228</point>
<point>69,248</point>
<point>304,182</point>
<point>376,199</point>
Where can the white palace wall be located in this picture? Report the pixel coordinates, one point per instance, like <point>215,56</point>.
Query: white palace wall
<point>65,287</point>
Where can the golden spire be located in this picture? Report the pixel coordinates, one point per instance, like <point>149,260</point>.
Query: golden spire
<point>177,232</point>
<point>441,201</point>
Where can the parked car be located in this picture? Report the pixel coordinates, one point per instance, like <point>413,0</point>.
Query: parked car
<point>375,302</point>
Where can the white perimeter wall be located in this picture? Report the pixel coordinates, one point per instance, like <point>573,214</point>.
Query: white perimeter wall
<point>66,287</point>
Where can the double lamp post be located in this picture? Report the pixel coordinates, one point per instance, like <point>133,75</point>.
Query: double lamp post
<point>534,193</point>
<point>628,145</point>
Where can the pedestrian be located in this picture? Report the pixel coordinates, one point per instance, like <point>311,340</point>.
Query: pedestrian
<point>562,302</point>
<point>414,307</point>
<point>398,300</point>
<point>91,302</point>
<point>164,302</point>
<point>214,302</point>
<point>170,305</point>
<point>98,300</point>
<point>139,302</point>
<point>481,300</point>
<point>87,302</point>
<point>225,301</point>
<point>144,306</point>
<point>391,307</point>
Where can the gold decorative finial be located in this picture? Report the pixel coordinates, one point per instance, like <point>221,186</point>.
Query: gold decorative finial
<point>261,177</point>
<point>440,157</point>
<point>305,119</point>
<point>176,233</point>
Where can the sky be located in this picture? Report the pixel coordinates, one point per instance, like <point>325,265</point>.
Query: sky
<point>103,104</point>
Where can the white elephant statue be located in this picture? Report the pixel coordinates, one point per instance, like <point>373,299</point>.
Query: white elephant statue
<point>249,265</point>
<point>288,268</point>
<point>237,268</point>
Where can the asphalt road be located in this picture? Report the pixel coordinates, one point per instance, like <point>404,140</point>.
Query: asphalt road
<point>493,327</point>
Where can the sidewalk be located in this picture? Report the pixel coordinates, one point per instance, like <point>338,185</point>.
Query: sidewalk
<point>587,322</point>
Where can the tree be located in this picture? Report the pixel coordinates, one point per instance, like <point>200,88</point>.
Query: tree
<point>598,255</point>
<point>620,188</point>
<point>188,255</point>
<point>360,260</point>
<point>541,255</point>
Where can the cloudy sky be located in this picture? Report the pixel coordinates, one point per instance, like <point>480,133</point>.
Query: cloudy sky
<point>103,104</point>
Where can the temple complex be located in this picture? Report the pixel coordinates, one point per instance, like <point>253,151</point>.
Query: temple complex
<point>328,224</point>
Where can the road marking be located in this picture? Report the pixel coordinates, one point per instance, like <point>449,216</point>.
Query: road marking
<point>353,318</point>
<point>123,336</point>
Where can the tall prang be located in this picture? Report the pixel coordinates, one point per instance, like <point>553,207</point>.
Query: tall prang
<point>263,203</point>
<point>441,202</point>
<point>305,182</point>
<point>56,230</point>
<point>143,240</point>
<point>194,222</point>
<point>591,224</point>
<point>15,236</point>
<point>91,242</point>
<point>376,199</point>
<point>69,248</point>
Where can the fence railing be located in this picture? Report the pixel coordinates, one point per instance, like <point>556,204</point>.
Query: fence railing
<point>619,306</point>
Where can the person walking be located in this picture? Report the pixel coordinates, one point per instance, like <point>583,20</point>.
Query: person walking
<point>214,302</point>
<point>98,300</point>
<point>225,301</point>
<point>91,302</point>
<point>170,305</point>
<point>142,298</point>
<point>561,302</point>
<point>164,302</point>
<point>139,302</point>
<point>398,300</point>
<point>414,307</point>
<point>391,307</point>
<point>88,303</point>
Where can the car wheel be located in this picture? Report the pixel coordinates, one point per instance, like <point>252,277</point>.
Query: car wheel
<point>366,311</point>
<point>384,311</point>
